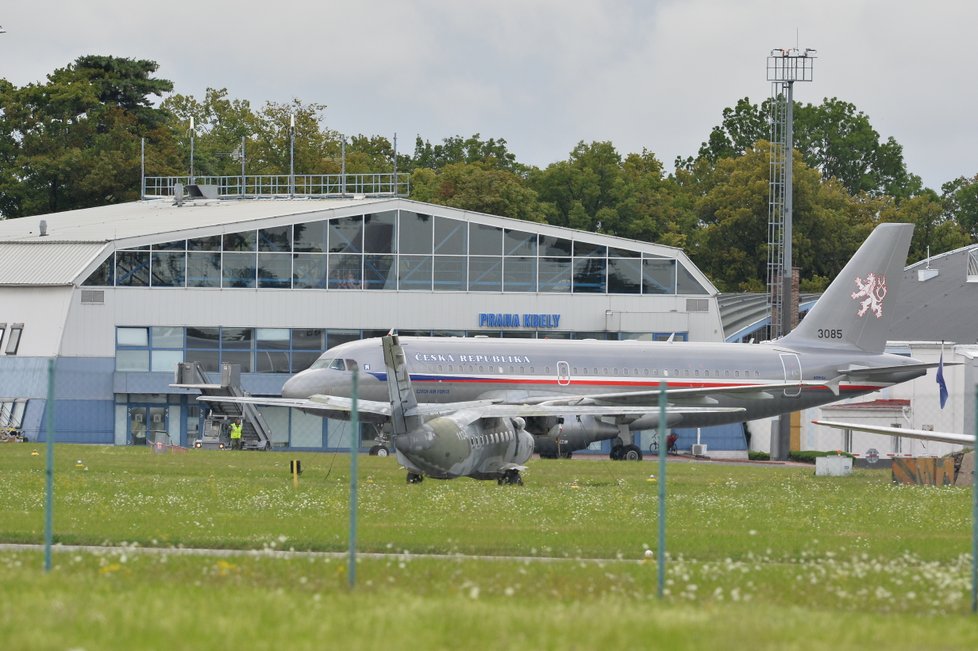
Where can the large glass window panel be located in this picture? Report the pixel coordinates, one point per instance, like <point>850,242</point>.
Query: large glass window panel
<point>519,243</point>
<point>104,274</point>
<point>554,246</point>
<point>336,337</point>
<point>449,273</point>
<point>658,276</point>
<point>310,237</point>
<point>346,235</point>
<point>273,338</point>
<point>589,275</point>
<point>345,271</point>
<point>686,283</point>
<point>380,233</point>
<point>623,253</point>
<point>302,359</point>
<point>485,240</point>
<point>132,336</point>
<point>132,268</point>
<point>244,241</point>
<point>451,236</point>
<point>272,361</point>
<point>415,232</point>
<point>239,270</point>
<point>236,338</point>
<point>208,359</point>
<point>307,430</point>
<point>414,272</point>
<point>203,337</point>
<point>203,269</point>
<point>275,270</point>
<point>165,360</point>
<point>167,337</point>
<point>589,250</point>
<point>308,338</point>
<point>519,274</point>
<point>277,419</point>
<point>169,269</point>
<point>379,272</point>
<point>485,273</point>
<point>277,238</point>
<point>13,341</point>
<point>211,243</point>
<point>555,275</point>
<point>176,245</point>
<point>624,275</point>
<point>241,357</point>
<point>309,271</point>
<point>132,360</point>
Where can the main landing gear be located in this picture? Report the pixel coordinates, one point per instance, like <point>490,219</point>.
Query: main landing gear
<point>625,453</point>
<point>511,477</point>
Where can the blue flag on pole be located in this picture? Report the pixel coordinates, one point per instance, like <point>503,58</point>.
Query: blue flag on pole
<point>940,380</point>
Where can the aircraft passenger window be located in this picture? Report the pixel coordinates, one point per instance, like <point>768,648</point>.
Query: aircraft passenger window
<point>736,373</point>
<point>605,369</point>
<point>726,373</point>
<point>482,368</point>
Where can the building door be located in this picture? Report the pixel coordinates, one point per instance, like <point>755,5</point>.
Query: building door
<point>146,423</point>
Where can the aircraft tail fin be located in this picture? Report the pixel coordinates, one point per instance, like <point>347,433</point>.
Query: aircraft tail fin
<point>404,404</point>
<point>857,308</point>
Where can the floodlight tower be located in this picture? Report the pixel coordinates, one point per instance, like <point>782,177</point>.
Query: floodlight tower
<point>784,67</point>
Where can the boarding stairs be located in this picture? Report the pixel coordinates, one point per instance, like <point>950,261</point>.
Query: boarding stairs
<point>255,433</point>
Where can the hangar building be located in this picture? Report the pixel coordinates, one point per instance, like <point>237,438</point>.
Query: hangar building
<point>118,296</point>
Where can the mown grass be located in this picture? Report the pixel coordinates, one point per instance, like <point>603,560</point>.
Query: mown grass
<point>765,557</point>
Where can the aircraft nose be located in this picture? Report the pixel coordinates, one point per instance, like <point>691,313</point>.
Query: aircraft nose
<point>304,384</point>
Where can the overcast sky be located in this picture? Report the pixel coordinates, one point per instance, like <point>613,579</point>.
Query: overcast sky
<point>543,74</point>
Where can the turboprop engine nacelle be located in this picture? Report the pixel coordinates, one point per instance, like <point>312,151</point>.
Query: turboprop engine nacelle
<point>465,444</point>
<point>561,435</point>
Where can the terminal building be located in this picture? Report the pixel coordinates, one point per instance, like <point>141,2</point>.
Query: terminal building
<point>118,296</point>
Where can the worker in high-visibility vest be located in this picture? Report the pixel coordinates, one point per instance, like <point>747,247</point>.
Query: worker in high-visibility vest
<point>236,434</point>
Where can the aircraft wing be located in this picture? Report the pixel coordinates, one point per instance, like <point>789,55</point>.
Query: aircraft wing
<point>379,412</point>
<point>921,434</point>
<point>684,394</point>
<point>882,372</point>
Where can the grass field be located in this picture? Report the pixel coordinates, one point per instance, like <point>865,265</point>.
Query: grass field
<point>760,556</point>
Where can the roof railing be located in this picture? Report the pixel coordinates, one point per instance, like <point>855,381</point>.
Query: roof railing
<point>283,186</point>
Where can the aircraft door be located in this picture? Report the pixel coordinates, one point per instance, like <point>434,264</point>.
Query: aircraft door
<point>792,373</point>
<point>563,374</point>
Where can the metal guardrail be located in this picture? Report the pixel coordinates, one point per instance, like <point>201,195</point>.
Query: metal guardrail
<point>285,186</point>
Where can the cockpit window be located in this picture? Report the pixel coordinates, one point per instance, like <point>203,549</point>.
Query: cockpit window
<point>335,364</point>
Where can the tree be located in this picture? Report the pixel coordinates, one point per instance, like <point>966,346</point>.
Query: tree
<point>933,231</point>
<point>960,203</point>
<point>73,141</point>
<point>833,137</point>
<point>491,153</point>
<point>471,186</point>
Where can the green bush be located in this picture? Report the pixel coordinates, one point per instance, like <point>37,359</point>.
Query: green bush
<point>757,455</point>
<point>809,456</point>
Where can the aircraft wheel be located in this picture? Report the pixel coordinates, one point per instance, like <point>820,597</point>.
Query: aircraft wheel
<point>414,478</point>
<point>374,451</point>
<point>631,453</point>
<point>566,455</point>
<point>382,451</point>
<point>511,478</point>
<point>616,452</point>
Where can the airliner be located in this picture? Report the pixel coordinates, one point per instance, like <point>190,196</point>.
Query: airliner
<point>478,407</point>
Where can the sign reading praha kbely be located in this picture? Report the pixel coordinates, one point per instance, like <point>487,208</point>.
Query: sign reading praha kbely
<point>507,320</point>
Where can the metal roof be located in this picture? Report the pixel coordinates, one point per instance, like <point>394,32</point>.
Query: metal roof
<point>44,263</point>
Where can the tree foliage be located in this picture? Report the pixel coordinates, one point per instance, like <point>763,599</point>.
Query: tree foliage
<point>74,141</point>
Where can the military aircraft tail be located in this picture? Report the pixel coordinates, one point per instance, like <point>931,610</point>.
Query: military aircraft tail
<point>857,308</point>
<point>404,404</point>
